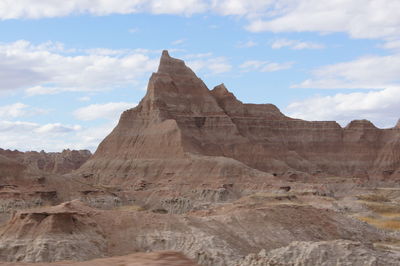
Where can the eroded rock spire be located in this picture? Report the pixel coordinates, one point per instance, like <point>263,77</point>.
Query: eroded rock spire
<point>173,66</point>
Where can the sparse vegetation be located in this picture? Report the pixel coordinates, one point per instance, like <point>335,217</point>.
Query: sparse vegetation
<point>383,208</point>
<point>373,198</point>
<point>386,215</point>
<point>130,208</point>
<point>381,222</point>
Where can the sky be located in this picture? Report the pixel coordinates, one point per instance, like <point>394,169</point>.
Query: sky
<point>69,68</point>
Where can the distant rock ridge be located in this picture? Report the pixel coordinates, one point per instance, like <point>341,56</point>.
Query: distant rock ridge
<point>52,162</point>
<point>179,118</point>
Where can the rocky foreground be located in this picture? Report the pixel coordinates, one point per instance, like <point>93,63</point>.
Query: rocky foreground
<point>198,172</point>
<point>163,258</point>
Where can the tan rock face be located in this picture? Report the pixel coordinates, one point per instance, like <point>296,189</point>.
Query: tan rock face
<point>64,232</point>
<point>180,117</point>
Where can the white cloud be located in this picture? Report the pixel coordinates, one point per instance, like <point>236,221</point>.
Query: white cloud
<point>57,128</point>
<point>84,99</point>
<point>381,107</point>
<point>16,126</point>
<point>29,127</point>
<point>43,90</point>
<point>381,104</point>
<point>90,138</point>
<point>217,65</point>
<point>11,9</point>
<point>40,70</point>
<point>249,8</point>
<point>19,110</point>
<point>358,18</point>
<point>187,7</point>
<point>369,72</point>
<point>13,110</point>
<point>109,111</point>
<point>27,9</point>
<point>178,42</point>
<point>24,136</point>
<point>247,44</point>
<point>392,44</point>
<point>295,44</point>
<point>264,66</point>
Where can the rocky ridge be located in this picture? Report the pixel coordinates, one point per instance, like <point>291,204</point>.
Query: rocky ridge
<point>52,162</point>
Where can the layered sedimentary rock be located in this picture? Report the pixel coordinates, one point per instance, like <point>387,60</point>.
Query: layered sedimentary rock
<point>52,162</point>
<point>180,120</point>
<point>32,179</point>
<point>64,232</point>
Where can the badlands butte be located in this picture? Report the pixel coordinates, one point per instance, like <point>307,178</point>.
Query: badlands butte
<point>193,176</point>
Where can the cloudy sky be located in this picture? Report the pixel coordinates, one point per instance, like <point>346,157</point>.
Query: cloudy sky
<point>69,68</point>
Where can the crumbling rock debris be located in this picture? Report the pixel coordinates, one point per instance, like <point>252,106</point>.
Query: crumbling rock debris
<point>324,253</point>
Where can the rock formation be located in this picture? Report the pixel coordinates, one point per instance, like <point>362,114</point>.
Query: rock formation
<point>64,232</point>
<point>180,120</point>
<point>53,162</point>
<point>32,179</point>
<point>218,236</point>
<point>325,253</point>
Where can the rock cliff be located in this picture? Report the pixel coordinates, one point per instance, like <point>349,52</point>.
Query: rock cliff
<point>180,120</point>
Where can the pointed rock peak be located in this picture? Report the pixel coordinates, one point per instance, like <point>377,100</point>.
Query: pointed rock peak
<point>360,124</point>
<point>221,91</point>
<point>165,54</point>
<point>225,98</point>
<point>173,66</point>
